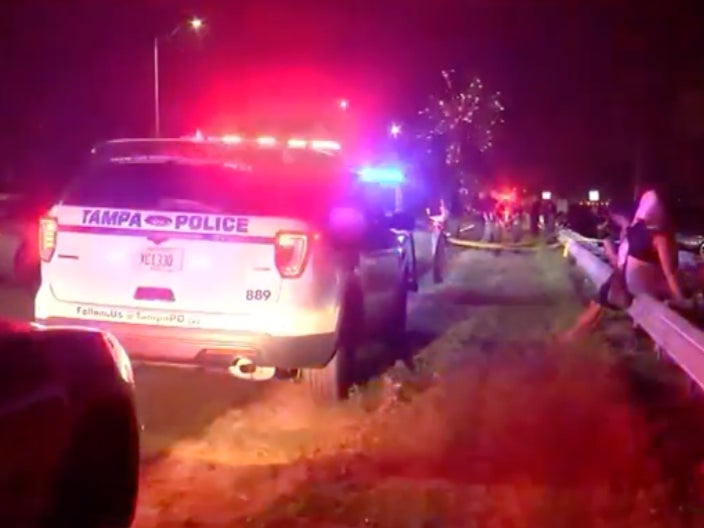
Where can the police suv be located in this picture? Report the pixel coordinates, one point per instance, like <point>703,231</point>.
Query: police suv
<point>246,256</point>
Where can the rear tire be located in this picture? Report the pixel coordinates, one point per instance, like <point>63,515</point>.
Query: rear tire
<point>330,383</point>
<point>440,260</point>
<point>396,333</point>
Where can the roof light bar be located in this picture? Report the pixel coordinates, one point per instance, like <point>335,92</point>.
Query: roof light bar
<point>297,143</point>
<point>324,144</point>
<point>266,141</point>
<point>269,141</point>
<point>231,140</point>
<point>382,175</point>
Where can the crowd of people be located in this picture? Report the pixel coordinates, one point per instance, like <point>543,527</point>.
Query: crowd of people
<point>501,214</point>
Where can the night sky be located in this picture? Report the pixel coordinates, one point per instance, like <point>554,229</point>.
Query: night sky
<point>581,80</point>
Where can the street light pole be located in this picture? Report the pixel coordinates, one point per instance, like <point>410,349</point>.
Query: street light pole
<point>195,24</point>
<point>157,117</point>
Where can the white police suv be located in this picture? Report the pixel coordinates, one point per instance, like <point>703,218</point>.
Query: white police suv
<point>255,258</point>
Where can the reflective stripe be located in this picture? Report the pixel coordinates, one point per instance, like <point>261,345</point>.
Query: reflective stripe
<point>166,235</point>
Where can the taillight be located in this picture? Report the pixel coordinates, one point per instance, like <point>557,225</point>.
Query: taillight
<point>291,253</point>
<point>48,227</point>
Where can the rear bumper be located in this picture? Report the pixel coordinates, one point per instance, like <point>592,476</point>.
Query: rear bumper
<point>215,349</point>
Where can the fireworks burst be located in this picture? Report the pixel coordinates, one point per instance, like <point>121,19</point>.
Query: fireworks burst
<point>464,119</point>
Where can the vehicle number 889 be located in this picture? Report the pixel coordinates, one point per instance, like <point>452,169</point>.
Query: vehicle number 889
<point>258,295</point>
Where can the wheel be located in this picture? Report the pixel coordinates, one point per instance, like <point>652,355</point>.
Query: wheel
<point>396,334</point>
<point>330,383</point>
<point>412,274</point>
<point>97,486</point>
<point>440,260</point>
<point>26,272</point>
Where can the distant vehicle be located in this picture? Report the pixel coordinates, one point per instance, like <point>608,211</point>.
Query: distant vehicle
<point>69,434</point>
<point>19,231</point>
<point>583,220</point>
<point>689,222</point>
<point>256,261</point>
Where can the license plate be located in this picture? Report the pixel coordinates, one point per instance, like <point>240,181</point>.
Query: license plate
<point>161,259</point>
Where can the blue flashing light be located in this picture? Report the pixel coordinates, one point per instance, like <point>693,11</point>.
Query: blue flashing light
<point>382,175</point>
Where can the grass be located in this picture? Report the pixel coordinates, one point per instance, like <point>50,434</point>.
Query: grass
<point>515,440</point>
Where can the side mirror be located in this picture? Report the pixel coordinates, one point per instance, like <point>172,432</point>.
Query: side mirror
<point>403,221</point>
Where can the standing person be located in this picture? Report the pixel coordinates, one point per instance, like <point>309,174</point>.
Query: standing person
<point>549,214</point>
<point>535,217</point>
<point>485,207</point>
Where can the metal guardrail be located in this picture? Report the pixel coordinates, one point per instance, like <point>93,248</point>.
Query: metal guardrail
<point>682,341</point>
<point>593,266</point>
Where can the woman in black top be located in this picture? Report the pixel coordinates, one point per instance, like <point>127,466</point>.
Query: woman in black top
<point>651,266</point>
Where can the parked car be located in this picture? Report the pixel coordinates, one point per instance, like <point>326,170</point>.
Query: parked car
<point>69,433</point>
<point>689,221</point>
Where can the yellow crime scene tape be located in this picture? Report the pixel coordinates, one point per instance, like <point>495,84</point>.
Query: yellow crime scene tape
<point>521,246</point>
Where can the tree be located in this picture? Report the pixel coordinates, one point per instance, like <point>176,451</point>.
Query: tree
<point>459,126</point>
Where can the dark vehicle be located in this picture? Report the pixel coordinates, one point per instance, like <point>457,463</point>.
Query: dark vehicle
<point>583,220</point>
<point>689,222</point>
<point>69,435</point>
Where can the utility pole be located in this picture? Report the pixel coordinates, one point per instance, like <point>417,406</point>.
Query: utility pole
<point>157,117</point>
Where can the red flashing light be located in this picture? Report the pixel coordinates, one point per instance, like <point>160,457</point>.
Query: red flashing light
<point>291,250</point>
<point>48,230</point>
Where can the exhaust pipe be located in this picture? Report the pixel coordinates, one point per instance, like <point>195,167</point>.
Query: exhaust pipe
<point>244,368</point>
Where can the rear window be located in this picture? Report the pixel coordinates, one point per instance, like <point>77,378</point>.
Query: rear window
<point>211,188</point>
